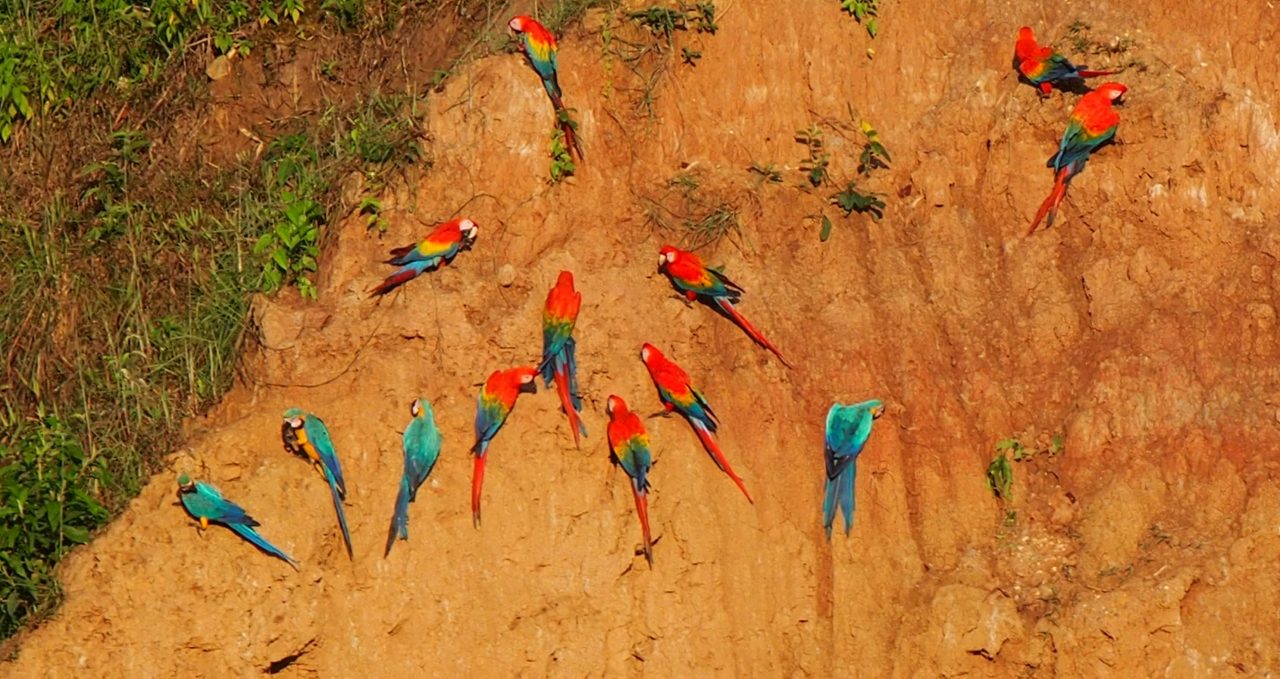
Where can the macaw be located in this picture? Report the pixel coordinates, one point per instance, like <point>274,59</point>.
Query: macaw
<point>690,276</point>
<point>1092,123</point>
<point>206,504</point>
<point>629,448</point>
<point>305,434</point>
<point>1042,66</point>
<point>559,362</point>
<point>848,428</point>
<point>678,395</point>
<point>493,406</point>
<point>421,450</point>
<point>439,248</point>
<point>539,45</point>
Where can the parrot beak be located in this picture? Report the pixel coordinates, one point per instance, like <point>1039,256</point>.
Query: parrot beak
<point>530,387</point>
<point>875,414</point>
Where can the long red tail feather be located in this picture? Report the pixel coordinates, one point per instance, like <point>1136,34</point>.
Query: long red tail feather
<point>751,330</point>
<point>1049,208</point>
<point>392,282</point>
<point>477,480</point>
<point>642,508</point>
<point>562,388</point>
<point>709,442</point>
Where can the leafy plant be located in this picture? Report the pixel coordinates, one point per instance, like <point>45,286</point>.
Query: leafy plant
<point>665,21</point>
<point>1000,477</point>
<point>874,154</point>
<point>851,200</point>
<point>47,487</point>
<point>865,11</point>
<point>292,245</point>
<point>766,173</point>
<point>562,164</point>
<point>814,165</point>
<point>371,209</point>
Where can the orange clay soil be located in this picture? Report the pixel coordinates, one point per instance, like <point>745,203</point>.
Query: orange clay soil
<point>1141,326</point>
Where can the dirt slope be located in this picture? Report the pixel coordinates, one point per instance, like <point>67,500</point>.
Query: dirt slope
<point>1142,326</point>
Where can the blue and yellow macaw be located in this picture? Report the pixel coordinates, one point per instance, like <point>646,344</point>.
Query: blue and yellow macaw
<point>848,428</point>
<point>206,504</point>
<point>421,450</point>
<point>306,435</point>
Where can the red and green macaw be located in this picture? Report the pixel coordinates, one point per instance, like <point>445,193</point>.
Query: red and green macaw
<point>848,428</point>
<point>693,278</point>
<point>539,45</point>
<point>440,247</point>
<point>1092,123</point>
<point>678,395</point>
<point>493,406</point>
<point>1042,66</point>
<point>559,361</point>
<point>629,448</point>
<point>306,435</point>
<point>206,504</point>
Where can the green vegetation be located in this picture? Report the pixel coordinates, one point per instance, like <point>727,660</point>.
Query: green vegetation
<point>130,273</point>
<point>1013,445</point>
<point>865,11</point>
<point>1000,477</point>
<point>687,210</point>
<point>1079,35</point>
<point>644,40</point>
<point>55,54</point>
<point>816,166</point>
<point>562,164</point>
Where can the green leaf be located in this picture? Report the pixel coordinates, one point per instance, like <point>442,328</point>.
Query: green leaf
<point>279,257</point>
<point>826,229</point>
<point>76,534</point>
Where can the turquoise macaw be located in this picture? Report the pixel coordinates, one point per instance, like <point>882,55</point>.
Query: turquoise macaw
<point>206,504</point>
<point>305,434</point>
<point>848,428</point>
<point>421,450</point>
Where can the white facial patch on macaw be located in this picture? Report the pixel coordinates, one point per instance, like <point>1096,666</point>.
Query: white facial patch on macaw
<point>644,354</point>
<point>525,379</point>
<point>295,422</point>
<point>415,408</point>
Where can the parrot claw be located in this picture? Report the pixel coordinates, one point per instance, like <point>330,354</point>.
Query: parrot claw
<point>660,413</point>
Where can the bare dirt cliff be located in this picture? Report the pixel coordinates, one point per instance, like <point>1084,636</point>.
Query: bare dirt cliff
<point>1142,327</point>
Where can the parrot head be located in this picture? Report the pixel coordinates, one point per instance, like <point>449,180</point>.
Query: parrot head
<point>525,379</point>
<point>1112,91</point>
<point>667,255</point>
<point>185,484</point>
<point>877,409</point>
<point>420,407</point>
<point>564,280</point>
<point>469,232</point>
<point>615,404</point>
<point>521,23</point>
<point>648,352</point>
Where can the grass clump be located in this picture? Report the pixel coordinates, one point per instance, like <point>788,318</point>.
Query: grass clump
<point>866,12</point>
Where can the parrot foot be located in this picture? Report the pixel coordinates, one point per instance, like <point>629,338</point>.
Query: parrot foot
<point>660,413</point>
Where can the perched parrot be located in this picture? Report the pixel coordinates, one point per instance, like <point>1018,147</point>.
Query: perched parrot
<point>421,450</point>
<point>206,504</point>
<point>305,434</point>
<point>1092,123</point>
<point>848,428</point>
<point>629,447</point>
<point>558,350</point>
<point>1042,66</point>
<point>690,276</point>
<point>440,247</point>
<point>678,395</point>
<point>539,45</point>
<point>493,406</point>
